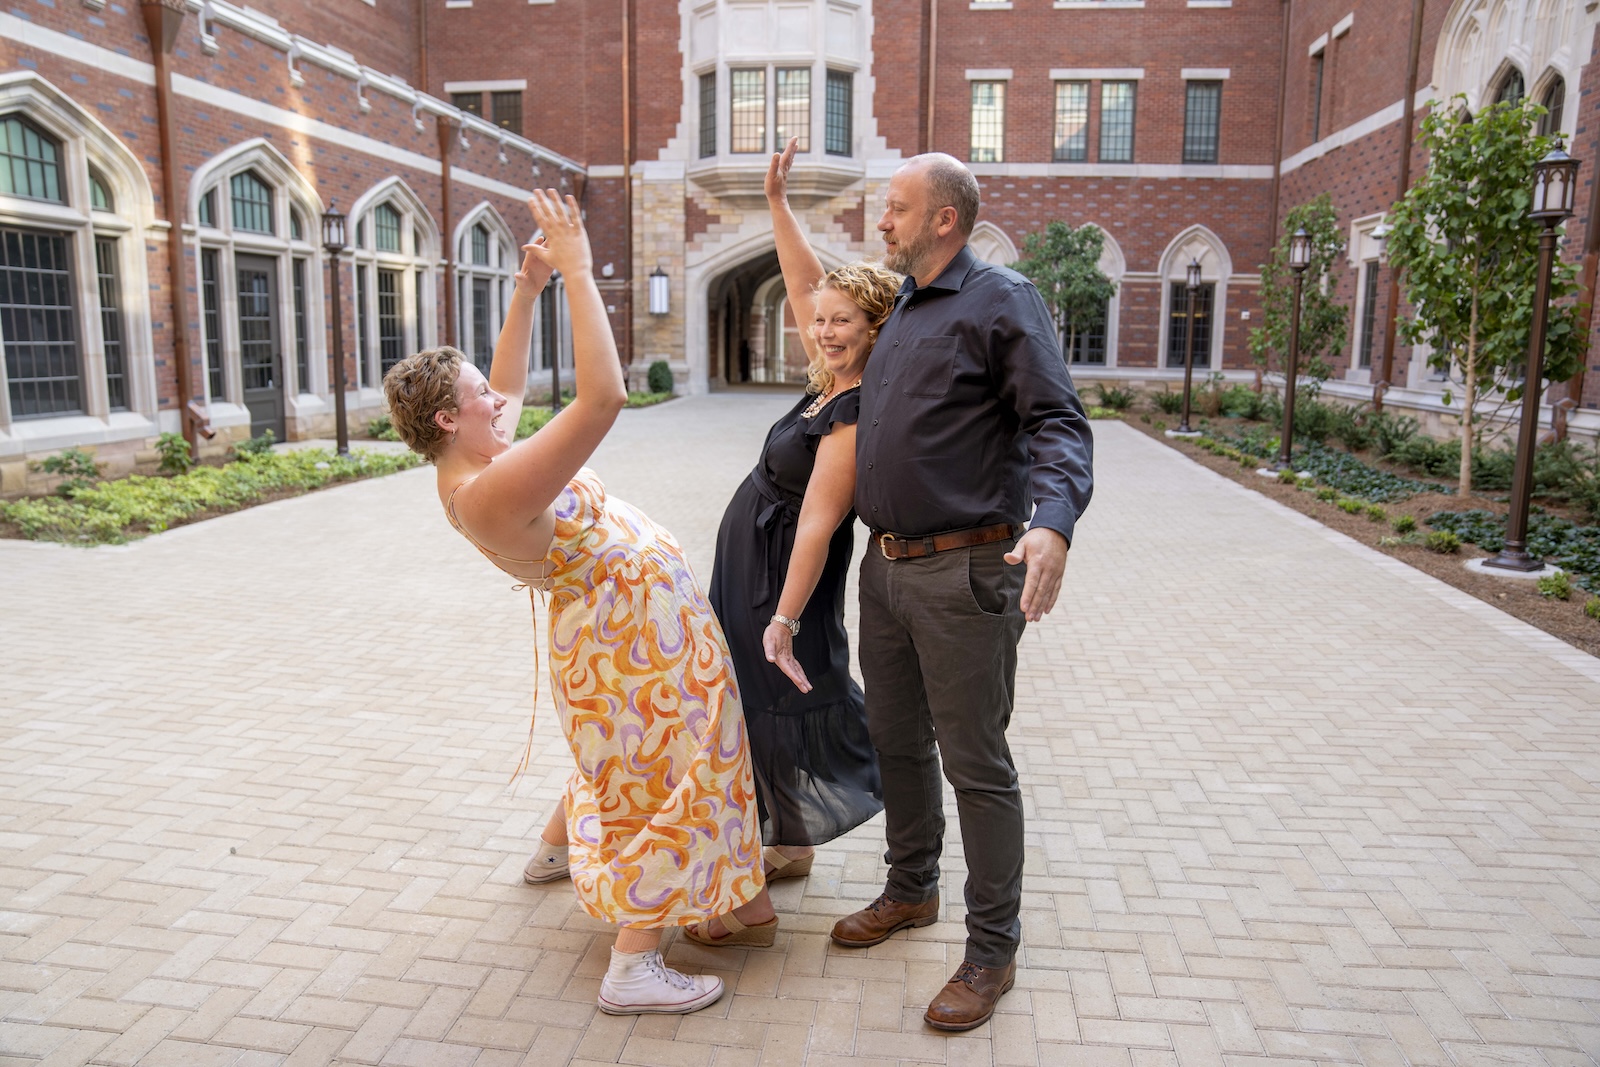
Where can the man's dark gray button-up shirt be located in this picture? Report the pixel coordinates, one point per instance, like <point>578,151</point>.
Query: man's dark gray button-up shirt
<point>968,415</point>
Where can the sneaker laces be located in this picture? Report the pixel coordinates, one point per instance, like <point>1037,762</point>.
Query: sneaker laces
<point>658,967</point>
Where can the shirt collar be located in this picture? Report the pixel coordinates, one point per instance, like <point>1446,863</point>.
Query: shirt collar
<point>949,280</point>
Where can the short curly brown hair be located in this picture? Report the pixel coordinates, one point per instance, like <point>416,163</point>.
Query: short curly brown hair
<point>419,387</point>
<point>872,288</point>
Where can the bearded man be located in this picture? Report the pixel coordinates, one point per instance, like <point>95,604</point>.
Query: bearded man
<point>968,418</point>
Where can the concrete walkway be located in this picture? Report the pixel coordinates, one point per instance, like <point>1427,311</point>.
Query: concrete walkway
<point>1289,801</point>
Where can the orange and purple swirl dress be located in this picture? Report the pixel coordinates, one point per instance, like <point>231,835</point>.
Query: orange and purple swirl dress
<point>661,809</point>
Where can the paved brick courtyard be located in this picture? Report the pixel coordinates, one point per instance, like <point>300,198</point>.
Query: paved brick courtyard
<point>1288,801</point>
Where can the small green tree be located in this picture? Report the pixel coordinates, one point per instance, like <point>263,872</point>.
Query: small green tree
<point>1064,263</point>
<point>1468,254</point>
<point>1323,320</point>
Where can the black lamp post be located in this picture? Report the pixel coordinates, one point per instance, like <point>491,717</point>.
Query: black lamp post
<point>333,243</point>
<point>1188,344</point>
<point>1299,260</point>
<point>1555,181</point>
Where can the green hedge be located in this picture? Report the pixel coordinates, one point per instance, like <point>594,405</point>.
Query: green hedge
<point>117,511</point>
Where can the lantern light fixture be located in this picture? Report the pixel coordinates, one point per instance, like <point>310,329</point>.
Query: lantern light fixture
<point>333,229</point>
<point>660,292</point>
<point>1299,250</point>
<point>1555,186</point>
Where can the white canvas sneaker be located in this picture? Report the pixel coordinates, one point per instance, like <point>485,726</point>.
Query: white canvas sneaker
<point>639,983</point>
<point>546,865</point>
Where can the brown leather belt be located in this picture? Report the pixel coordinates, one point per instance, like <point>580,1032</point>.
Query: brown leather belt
<point>896,546</point>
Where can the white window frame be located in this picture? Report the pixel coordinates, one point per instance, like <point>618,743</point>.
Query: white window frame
<point>419,325</point>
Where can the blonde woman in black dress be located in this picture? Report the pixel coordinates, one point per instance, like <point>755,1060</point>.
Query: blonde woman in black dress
<point>783,553</point>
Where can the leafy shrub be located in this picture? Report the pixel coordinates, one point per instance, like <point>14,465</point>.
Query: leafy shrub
<point>1574,548</point>
<point>382,428</point>
<point>1169,402</point>
<point>1288,477</point>
<point>75,467</point>
<point>1114,398</point>
<point>1591,607</point>
<point>1376,513</point>
<point>175,455</point>
<point>254,446</point>
<point>1097,412</point>
<point>1437,458</point>
<point>113,512</point>
<point>1242,402</point>
<point>1352,428</point>
<point>1313,419</point>
<point>659,377</point>
<point>1350,505</point>
<point>1405,524</point>
<point>1161,424</point>
<point>1390,431</point>
<point>1335,467</point>
<point>1246,461</point>
<point>1305,481</point>
<point>1443,542</point>
<point>1327,494</point>
<point>644,400</point>
<point>532,420</point>
<point>1556,586</point>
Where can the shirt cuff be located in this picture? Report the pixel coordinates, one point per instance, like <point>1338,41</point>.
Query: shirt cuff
<point>1057,517</point>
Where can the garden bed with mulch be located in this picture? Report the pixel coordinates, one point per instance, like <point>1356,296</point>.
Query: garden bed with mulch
<point>1565,619</point>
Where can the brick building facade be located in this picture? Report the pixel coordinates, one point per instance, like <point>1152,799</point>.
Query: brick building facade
<point>1183,129</point>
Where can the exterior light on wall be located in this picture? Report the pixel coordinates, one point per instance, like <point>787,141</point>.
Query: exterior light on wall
<point>1555,181</point>
<point>333,242</point>
<point>1299,260</point>
<point>1380,236</point>
<point>660,292</point>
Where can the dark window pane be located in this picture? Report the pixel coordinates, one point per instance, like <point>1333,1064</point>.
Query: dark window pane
<point>708,114</point>
<point>841,112</point>
<point>1511,89</point>
<point>100,193</point>
<point>211,302</point>
<point>1116,121</point>
<point>747,130</point>
<point>297,230</point>
<point>1369,314</point>
<point>208,208</point>
<point>1318,62</point>
<point>363,338</point>
<point>1086,342</point>
<point>252,203</point>
<point>391,338</point>
<point>988,122</point>
<point>508,111</point>
<point>105,261</point>
<point>301,355</point>
<point>469,102</point>
<point>1201,121</point>
<point>255,329</point>
<point>1553,100</point>
<point>386,228</point>
<point>416,323</point>
<point>480,246</point>
<point>482,351</point>
<point>1072,122</point>
<point>794,107</point>
<point>37,320</point>
<point>30,162</point>
<point>1178,324</point>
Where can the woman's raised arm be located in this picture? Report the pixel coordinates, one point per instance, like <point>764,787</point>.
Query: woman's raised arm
<point>802,270</point>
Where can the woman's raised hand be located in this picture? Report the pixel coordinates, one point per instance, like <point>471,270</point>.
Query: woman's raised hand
<point>777,184</point>
<point>565,246</point>
<point>535,272</point>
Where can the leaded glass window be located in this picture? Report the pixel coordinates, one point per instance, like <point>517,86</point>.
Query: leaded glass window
<point>1511,89</point>
<point>105,262</point>
<point>471,103</point>
<point>297,230</point>
<point>840,113</point>
<point>794,107</point>
<point>208,208</point>
<point>30,162</point>
<point>38,322</point>
<point>1369,313</point>
<point>1202,119</point>
<point>988,122</point>
<point>363,338</point>
<point>1072,122</point>
<point>1178,324</point>
<point>508,110</point>
<point>1116,121</point>
<point>252,203</point>
<point>391,338</point>
<point>1553,100</point>
<point>100,193</point>
<point>480,246</point>
<point>302,357</point>
<point>747,128</point>
<point>386,227</point>
<point>482,352</point>
<point>211,319</point>
<point>708,114</point>
<point>1318,64</point>
<point>1085,342</point>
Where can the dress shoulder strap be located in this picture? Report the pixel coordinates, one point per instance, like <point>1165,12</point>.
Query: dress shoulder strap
<point>450,513</point>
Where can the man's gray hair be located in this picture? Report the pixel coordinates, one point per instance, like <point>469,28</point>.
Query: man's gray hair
<point>950,184</point>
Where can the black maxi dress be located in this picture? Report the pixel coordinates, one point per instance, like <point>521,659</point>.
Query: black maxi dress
<point>815,769</point>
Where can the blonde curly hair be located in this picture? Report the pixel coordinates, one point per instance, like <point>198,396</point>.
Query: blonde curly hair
<point>419,387</point>
<point>872,288</point>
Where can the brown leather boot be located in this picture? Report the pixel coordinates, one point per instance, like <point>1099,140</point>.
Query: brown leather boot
<point>874,923</point>
<point>968,999</point>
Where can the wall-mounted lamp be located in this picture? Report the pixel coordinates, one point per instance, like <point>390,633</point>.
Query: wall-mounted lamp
<point>660,292</point>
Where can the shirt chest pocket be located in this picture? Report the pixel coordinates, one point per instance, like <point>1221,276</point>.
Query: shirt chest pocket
<point>929,366</point>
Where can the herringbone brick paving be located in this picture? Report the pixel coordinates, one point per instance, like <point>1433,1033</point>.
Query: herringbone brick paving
<point>1288,802</point>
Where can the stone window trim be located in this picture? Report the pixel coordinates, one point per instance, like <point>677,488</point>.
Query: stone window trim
<point>503,255</point>
<point>89,154</point>
<point>1216,269</point>
<point>290,194</point>
<point>419,324</point>
<point>711,96</point>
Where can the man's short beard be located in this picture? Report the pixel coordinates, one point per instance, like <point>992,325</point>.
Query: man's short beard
<point>909,256</point>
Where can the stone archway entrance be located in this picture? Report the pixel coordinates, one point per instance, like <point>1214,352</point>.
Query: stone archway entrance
<point>751,333</point>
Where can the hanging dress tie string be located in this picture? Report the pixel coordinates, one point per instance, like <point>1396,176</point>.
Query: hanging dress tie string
<point>770,523</point>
